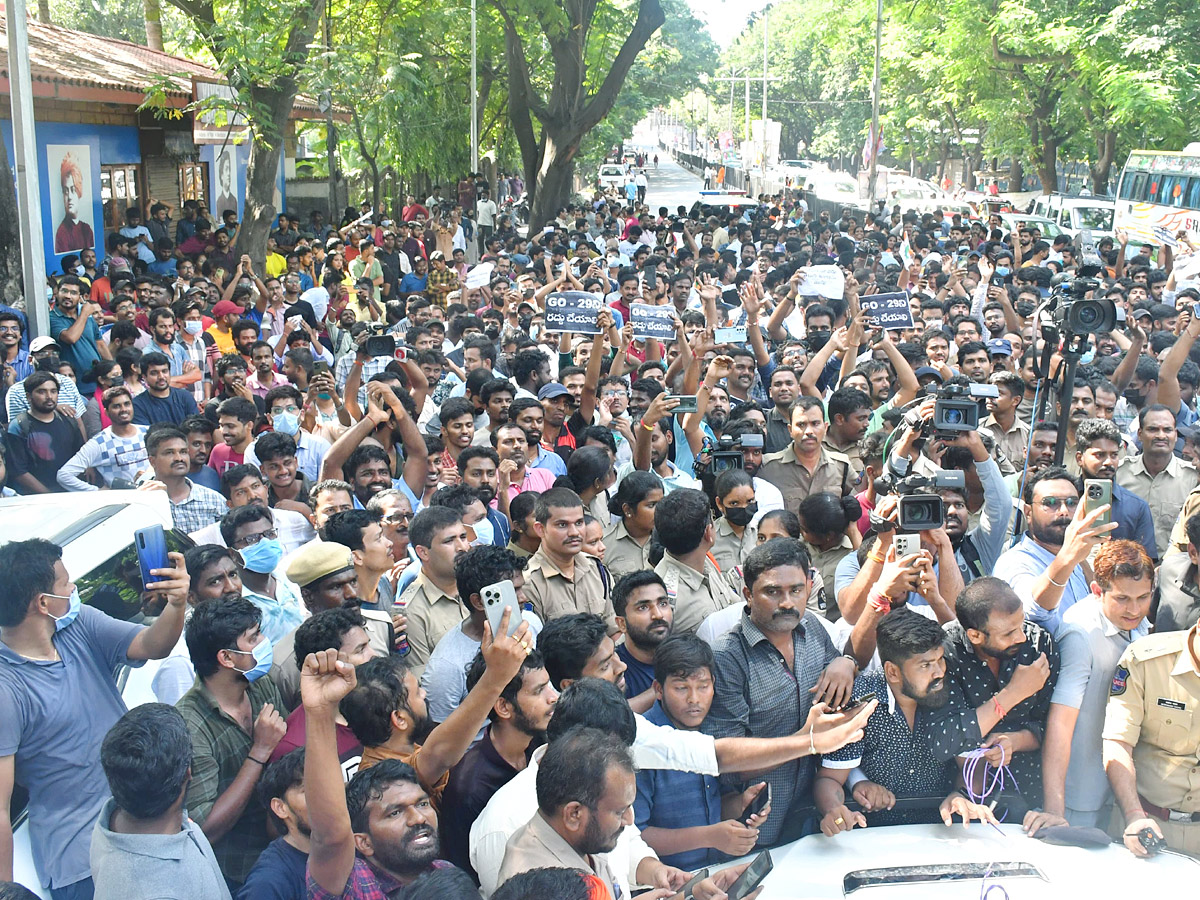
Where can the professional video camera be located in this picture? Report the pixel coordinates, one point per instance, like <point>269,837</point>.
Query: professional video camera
<point>957,408</point>
<point>380,342</point>
<point>918,509</point>
<point>723,454</point>
<point>1074,313</point>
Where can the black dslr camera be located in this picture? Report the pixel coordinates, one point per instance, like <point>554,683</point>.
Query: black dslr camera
<point>957,408</point>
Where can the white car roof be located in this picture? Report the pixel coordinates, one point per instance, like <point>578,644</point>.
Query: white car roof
<point>90,526</point>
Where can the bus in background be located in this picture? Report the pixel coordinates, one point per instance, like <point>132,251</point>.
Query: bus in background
<point>1159,196</point>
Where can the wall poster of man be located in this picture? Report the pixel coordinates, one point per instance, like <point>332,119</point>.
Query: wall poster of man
<point>69,167</point>
<point>226,181</point>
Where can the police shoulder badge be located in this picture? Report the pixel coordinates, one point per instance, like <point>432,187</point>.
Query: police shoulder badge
<point>1120,678</point>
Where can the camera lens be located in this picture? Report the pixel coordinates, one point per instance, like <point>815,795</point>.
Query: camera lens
<point>1094,492</point>
<point>954,416</point>
<point>1089,315</point>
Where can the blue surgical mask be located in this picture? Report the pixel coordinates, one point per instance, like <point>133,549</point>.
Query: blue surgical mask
<point>61,622</point>
<point>485,533</point>
<point>263,652</point>
<point>1003,271</point>
<point>264,556</point>
<point>285,423</point>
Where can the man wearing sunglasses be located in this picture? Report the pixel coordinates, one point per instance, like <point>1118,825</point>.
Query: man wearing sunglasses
<point>1047,567</point>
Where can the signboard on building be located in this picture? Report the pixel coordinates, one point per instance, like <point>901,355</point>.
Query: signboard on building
<point>216,121</point>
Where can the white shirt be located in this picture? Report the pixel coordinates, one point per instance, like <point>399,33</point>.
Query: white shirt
<point>485,212</point>
<point>656,747</point>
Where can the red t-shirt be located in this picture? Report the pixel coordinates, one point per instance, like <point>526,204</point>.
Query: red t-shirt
<point>223,458</point>
<point>348,747</point>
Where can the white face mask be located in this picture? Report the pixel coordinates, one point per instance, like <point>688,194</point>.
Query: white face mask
<point>193,328</point>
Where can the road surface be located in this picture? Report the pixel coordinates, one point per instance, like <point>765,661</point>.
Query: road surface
<point>671,185</point>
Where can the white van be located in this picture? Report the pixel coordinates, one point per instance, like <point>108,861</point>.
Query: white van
<point>1073,214</point>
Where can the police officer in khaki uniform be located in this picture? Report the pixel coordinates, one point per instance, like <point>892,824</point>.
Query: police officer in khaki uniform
<point>559,578</point>
<point>807,466</point>
<point>1152,739</point>
<point>695,585</point>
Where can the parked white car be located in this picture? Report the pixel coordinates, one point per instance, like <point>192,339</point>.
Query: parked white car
<point>930,862</point>
<point>612,176</point>
<point>1074,214</point>
<point>95,531</point>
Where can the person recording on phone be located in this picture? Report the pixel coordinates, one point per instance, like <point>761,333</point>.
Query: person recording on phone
<point>1097,453</point>
<point>1048,567</point>
<point>894,757</point>
<point>445,677</point>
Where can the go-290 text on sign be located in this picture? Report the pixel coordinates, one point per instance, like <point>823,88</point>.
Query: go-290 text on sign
<point>573,311</point>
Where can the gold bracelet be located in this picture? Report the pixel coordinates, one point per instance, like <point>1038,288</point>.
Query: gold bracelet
<point>876,559</point>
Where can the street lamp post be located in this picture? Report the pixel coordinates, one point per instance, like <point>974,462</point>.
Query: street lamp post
<point>474,96</point>
<point>873,137</point>
<point>763,149</point>
<point>33,254</point>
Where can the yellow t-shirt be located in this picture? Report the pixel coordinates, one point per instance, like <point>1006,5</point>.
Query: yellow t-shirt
<point>276,265</point>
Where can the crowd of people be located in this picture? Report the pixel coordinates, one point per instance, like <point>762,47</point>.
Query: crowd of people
<point>724,637</point>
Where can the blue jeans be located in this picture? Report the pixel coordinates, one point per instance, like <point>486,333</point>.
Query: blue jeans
<point>79,890</point>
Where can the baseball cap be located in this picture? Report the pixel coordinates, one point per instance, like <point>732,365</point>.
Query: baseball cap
<point>1000,347</point>
<point>41,343</point>
<point>552,390</point>
<point>225,308</point>
<point>922,371</point>
<point>318,560</point>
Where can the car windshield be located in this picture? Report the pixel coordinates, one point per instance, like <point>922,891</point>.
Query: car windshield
<point>1097,218</point>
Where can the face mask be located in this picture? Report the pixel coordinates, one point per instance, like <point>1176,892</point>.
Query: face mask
<point>485,533</point>
<point>286,423</point>
<point>61,622</point>
<point>741,515</point>
<point>193,328</point>
<point>263,556</point>
<point>817,340</point>
<point>1003,271</point>
<point>1133,397</point>
<point>262,654</point>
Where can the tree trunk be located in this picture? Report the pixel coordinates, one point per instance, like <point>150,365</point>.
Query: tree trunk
<point>554,178</point>
<point>152,10</point>
<point>1047,165</point>
<point>1016,174</point>
<point>1101,169</point>
<point>44,11</point>
<point>263,166</point>
<point>12,287</point>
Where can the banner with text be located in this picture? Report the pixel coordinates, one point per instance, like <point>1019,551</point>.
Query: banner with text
<point>891,311</point>
<point>573,311</point>
<point>652,322</point>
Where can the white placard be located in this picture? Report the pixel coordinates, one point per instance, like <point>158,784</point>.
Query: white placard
<point>823,281</point>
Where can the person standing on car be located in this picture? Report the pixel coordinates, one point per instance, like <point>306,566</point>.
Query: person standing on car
<point>1151,732</point>
<point>59,697</point>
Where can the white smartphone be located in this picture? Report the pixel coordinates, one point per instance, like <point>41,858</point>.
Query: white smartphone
<point>498,597</point>
<point>906,544</point>
<point>733,334</point>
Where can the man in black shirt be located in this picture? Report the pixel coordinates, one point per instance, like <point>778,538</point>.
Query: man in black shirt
<point>42,439</point>
<point>894,753</point>
<point>160,402</point>
<point>1001,671</point>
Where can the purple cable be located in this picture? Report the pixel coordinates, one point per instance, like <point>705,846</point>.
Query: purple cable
<point>1000,777</point>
